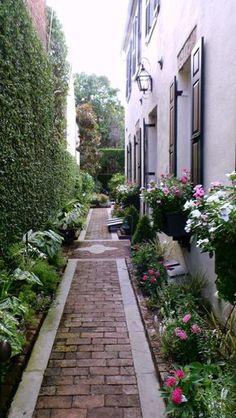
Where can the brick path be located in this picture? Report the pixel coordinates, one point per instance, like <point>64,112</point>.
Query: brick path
<point>90,373</point>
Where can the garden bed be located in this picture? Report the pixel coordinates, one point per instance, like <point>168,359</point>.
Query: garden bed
<point>192,351</point>
<point>17,365</point>
<point>151,326</point>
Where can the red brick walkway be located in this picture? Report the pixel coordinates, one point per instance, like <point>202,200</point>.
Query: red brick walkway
<point>90,373</point>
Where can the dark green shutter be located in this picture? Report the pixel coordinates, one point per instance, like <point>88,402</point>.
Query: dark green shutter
<point>172,127</point>
<point>197,113</point>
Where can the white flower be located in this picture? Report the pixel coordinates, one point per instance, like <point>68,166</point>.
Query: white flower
<point>225,211</point>
<point>196,213</point>
<point>216,196</point>
<point>201,242</point>
<point>189,204</point>
<point>223,394</point>
<point>184,399</point>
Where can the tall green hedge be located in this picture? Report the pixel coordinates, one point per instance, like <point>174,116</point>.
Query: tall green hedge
<point>112,161</point>
<point>37,175</point>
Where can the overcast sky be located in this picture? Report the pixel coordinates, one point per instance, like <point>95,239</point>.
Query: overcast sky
<point>94,31</point>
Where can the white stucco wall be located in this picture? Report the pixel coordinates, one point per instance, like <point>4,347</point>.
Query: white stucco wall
<point>215,20</point>
<point>71,127</point>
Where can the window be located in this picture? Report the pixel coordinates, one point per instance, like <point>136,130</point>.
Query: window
<point>133,56</point>
<point>128,73</point>
<point>151,14</point>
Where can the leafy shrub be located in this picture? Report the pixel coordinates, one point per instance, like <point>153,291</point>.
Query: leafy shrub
<point>12,312</point>
<point>180,338</point>
<point>153,279</point>
<point>144,231</point>
<point>99,199</point>
<point>127,195</point>
<point>47,242</point>
<point>47,275</point>
<point>131,218</point>
<point>116,180</point>
<point>145,255</point>
<point>200,390</point>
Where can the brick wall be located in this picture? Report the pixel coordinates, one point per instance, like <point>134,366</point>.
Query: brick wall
<point>37,11</point>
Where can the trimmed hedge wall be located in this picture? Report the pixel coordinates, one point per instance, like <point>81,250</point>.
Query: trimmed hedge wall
<point>112,161</point>
<point>37,175</point>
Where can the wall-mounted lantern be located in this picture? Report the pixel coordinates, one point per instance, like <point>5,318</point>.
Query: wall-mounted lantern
<point>144,80</point>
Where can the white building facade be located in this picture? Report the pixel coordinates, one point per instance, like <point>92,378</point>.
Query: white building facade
<point>188,119</point>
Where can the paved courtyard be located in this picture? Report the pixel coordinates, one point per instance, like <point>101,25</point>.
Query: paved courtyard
<point>100,364</point>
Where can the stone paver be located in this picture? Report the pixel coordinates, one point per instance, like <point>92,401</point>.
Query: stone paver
<point>90,373</point>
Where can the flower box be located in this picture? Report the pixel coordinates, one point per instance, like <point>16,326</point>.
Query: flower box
<point>174,224</point>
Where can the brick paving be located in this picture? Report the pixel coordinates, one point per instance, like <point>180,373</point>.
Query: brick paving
<point>90,373</point>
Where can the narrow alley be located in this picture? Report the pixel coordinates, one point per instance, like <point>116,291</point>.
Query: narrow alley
<point>100,364</point>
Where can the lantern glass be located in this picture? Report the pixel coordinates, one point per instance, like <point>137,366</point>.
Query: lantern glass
<point>144,80</point>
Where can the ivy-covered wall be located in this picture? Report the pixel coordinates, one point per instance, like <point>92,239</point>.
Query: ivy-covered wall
<point>37,175</point>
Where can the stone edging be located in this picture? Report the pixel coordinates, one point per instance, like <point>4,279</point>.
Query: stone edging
<point>151,326</point>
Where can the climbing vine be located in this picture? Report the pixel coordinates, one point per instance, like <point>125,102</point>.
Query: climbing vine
<point>37,175</point>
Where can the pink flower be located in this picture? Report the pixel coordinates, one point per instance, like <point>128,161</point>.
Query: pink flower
<point>170,381</point>
<point>216,184</point>
<point>180,374</point>
<point>176,396</point>
<point>151,272</point>
<point>157,274</point>
<point>165,190</point>
<point>196,329</point>
<point>186,318</point>
<point>145,277</point>
<point>199,191</point>
<point>184,179</point>
<point>153,279</point>
<point>181,334</point>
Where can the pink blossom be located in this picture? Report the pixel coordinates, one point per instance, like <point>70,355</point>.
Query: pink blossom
<point>199,191</point>
<point>216,184</point>
<point>196,329</point>
<point>176,396</point>
<point>157,274</point>
<point>184,179</point>
<point>153,279</point>
<point>181,334</point>
<point>170,381</point>
<point>180,374</point>
<point>165,190</point>
<point>186,318</point>
<point>151,272</point>
<point>145,277</point>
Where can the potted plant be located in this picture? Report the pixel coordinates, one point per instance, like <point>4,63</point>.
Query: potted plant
<point>212,221</point>
<point>166,198</point>
<point>128,195</point>
<point>69,220</point>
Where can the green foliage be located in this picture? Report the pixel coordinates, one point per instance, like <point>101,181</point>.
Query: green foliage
<point>47,275</point>
<point>96,91</point>
<point>37,175</point>
<point>47,242</point>
<point>99,200</point>
<point>57,54</point>
<point>131,218</point>
<point>112,161</point>
<point>89,138</point>
<point>145,256</point>
<point>144,231</point>
<point>200,390</point>
<point>11,313</point>
<point>116,180</point>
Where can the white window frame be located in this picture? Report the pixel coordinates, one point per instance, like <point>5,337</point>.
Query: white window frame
<point>151,12</point>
